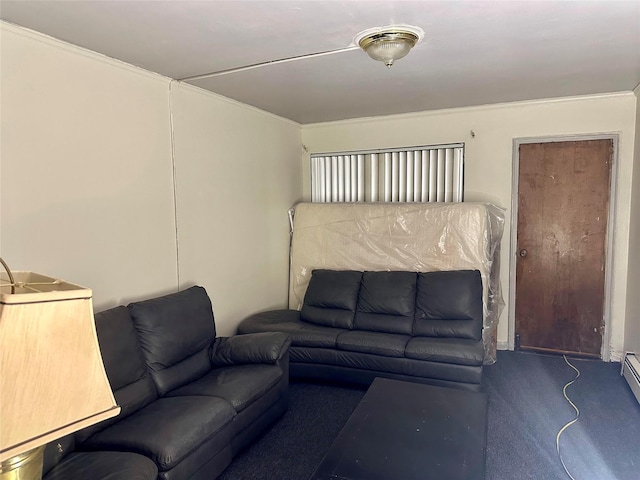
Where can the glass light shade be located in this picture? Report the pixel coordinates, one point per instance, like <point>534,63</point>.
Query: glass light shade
<point>388,47</point>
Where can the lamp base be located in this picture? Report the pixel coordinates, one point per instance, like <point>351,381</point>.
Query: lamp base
<point>26,466</point>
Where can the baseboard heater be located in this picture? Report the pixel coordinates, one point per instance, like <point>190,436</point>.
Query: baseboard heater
<point>631,371</point>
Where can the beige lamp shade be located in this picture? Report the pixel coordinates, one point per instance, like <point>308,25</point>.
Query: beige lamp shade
<point>52,379</point>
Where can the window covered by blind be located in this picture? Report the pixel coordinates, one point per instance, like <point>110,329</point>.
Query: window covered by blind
<point>415,174</point>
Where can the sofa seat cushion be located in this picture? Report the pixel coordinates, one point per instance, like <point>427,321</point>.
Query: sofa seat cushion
<point>288,321</point>
<point>104,466</point>
<point>239,385</point>
<point>471,374</point>
<point>446,350</point>
<point>168,429</point>
<point>387,344</point>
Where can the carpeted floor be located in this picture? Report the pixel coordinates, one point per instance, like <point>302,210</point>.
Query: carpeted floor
<point>296,444</point>
<point>526,410</point>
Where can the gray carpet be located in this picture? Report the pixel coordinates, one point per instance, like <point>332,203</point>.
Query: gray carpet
<point>526,410</point>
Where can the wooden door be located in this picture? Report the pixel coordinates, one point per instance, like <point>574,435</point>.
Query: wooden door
<point>563,206</point>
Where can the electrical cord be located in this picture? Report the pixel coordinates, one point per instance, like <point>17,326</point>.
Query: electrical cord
<point>567,425</point>
<point>173,180</point>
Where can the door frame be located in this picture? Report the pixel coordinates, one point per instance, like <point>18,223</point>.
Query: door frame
<point>513,250</point>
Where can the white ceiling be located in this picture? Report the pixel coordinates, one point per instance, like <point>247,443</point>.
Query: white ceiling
<point>474,52</point>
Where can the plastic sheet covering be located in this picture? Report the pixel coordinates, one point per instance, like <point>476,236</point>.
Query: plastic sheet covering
<point>419,237</point>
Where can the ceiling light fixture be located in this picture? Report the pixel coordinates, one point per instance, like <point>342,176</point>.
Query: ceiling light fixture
<point>388,44</point>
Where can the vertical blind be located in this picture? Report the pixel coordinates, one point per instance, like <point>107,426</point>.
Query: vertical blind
<point>415,174</point>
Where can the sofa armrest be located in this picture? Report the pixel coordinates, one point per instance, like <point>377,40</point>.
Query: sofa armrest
<point>266,347</point>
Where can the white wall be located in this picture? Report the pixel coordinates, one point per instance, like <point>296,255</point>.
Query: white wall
<point>632,330</point>
<point>86,181</point>
<point>489,158</point>
<point>238,173</point>
<point>86,185</point>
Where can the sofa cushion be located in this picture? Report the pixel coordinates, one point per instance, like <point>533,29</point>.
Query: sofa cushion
<point>449,304</point>
<point>104,466</point>
<point>386,302</point>
<point>124,364</point>
<point>240,385</point>
<point>175,333</point>
<point>446,350</point>
<point>168,430</point>
<point>331,298</point>
<point>322,359</point>
<point>387,344</point>
<point>288,321</point>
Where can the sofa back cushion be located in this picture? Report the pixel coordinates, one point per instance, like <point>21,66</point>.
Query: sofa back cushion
<point>449,304</point>
<point>175,333</point>
<point>124,363</point>
<point>386,302</point>
<point>331,298</point>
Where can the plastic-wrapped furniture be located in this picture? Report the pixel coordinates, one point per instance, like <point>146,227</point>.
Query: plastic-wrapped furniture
<point>411,237</point>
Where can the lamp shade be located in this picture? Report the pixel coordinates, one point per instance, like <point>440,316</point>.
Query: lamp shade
<point>52,379</point>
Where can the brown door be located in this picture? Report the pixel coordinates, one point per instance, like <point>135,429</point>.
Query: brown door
<point>563,205</point>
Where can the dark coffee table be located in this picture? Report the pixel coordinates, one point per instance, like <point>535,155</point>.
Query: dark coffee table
<point>410,431</point>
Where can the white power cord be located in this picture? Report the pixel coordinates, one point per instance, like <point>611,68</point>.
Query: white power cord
<point>564,392</point>
<point>173,180</point>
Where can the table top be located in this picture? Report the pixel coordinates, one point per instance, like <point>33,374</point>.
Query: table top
<point>404,430</point>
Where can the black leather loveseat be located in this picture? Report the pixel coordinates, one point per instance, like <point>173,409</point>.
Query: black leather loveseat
<point>190,401</point>
<point>355,326</point>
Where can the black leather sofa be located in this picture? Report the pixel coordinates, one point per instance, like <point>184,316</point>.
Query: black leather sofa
<point>355,326</point>
<point>190,401</point>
